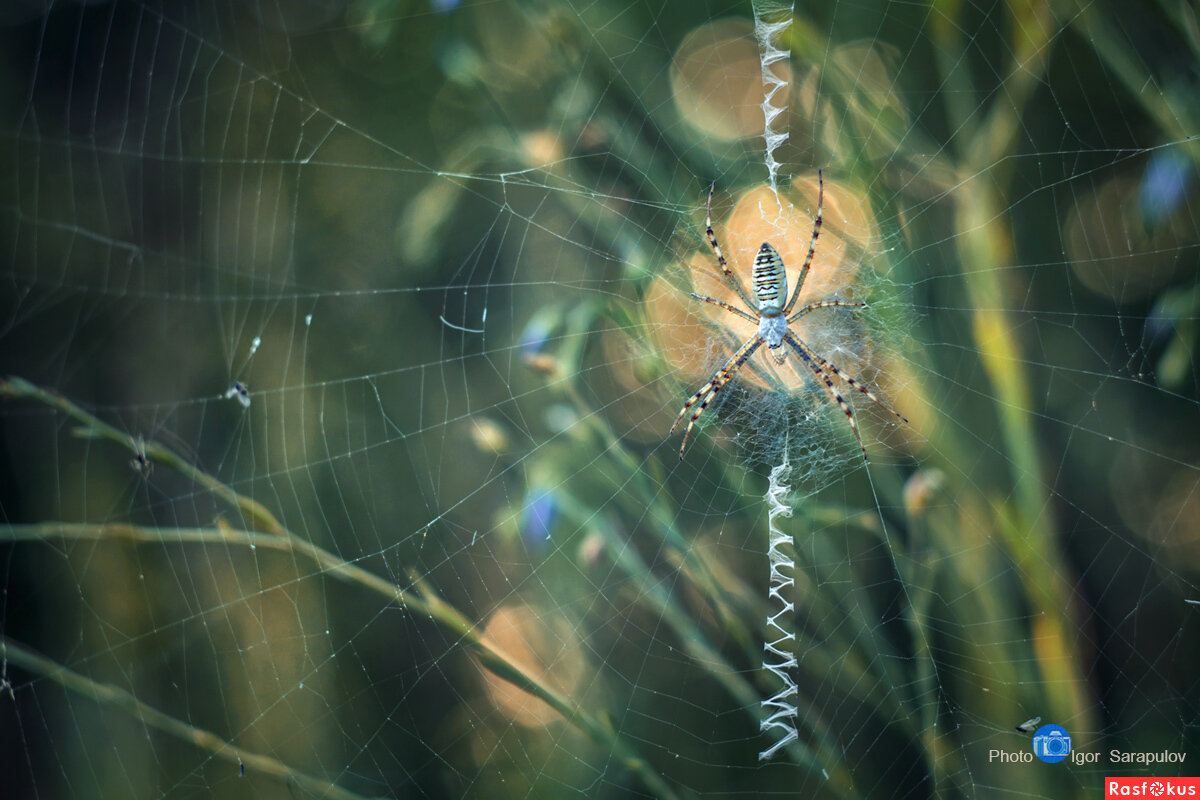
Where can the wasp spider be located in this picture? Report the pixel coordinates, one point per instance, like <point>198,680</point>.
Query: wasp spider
<point>773,318</point>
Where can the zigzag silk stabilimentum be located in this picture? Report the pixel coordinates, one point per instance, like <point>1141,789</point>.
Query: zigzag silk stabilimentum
<point>771,21</point>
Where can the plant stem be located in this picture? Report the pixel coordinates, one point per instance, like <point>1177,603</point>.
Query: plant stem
<point>274,536</point>
<point>12,652</point>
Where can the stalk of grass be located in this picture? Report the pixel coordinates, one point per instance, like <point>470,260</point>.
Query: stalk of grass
<point>1024,521</point>
<point>257,764</point>
<point>1173,109</point>
<point>1026,525</point>
<point>423,602</point>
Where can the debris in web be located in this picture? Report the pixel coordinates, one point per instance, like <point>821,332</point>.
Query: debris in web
<point>462,328</point>
<point>1029,725</point>
<point>240,391</point>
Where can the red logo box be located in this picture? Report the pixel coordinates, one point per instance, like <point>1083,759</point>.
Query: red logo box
<point>1151,787</point>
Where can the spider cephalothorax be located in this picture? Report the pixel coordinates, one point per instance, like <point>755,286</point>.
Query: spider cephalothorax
<point>773,316</point>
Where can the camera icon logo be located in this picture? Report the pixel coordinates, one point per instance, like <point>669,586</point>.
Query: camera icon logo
<point>1051,743</point>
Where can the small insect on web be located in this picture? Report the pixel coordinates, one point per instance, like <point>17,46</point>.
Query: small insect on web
<point>140,462</point>
<point>773,318</point>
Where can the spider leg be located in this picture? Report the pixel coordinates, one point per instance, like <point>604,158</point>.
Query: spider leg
<point>709,390</point>
<point>825,381</point>
<point>734,282</point>
<point>824,304</point>
<point>828,367</point>
<point>733,344</point>
<point>812,246</point>
<point>726,306</point>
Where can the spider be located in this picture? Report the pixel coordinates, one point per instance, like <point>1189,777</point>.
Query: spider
<point>773,318</point>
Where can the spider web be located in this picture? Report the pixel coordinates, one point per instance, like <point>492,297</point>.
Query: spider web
<point>344,340</point>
